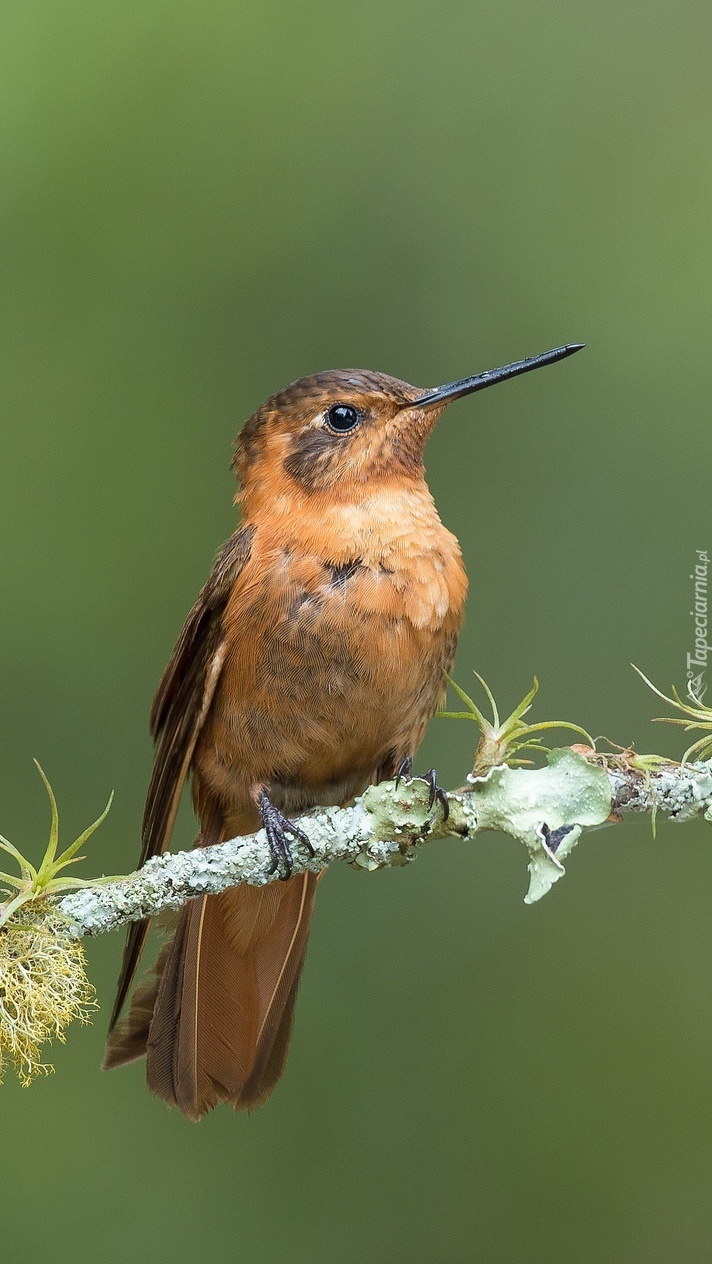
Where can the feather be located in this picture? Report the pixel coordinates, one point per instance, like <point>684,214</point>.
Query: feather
<point>179,709</point>
<point>130,1035</point>
<point>279,958</point>
<point>215,1014</point>
<point>223,1015</point>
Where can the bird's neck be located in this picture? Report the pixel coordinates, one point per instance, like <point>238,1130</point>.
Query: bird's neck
<point>377,521</point>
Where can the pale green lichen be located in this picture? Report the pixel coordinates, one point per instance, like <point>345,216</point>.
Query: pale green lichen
<point>399,816</point>
<point>544,808</point>
<point>532,804</point>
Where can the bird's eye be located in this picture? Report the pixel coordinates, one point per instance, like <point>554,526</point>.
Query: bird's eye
<point>342,417</point>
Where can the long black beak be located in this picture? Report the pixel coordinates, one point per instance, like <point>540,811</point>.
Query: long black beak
<point>455,390</point>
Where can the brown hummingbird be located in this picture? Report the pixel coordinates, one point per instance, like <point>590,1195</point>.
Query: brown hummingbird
<point>308,668</point>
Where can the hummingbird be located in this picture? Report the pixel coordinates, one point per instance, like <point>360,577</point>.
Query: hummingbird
<point>308,668</point>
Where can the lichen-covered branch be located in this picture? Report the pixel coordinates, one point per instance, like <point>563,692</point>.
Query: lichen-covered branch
<point>546,809</point>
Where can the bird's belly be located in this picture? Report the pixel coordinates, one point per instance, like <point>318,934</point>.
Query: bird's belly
<point>319,690</point>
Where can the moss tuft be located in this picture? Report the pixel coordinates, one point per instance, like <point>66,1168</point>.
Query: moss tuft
<point>43,987</point>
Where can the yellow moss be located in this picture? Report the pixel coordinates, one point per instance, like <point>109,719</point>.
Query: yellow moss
<point>43,987</point>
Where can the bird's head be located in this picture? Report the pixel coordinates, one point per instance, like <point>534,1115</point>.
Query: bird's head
<point>332,431</point>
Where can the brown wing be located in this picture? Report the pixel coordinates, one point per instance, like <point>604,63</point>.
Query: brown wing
<point>179,709</point>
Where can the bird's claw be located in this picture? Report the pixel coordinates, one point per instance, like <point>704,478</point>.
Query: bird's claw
<point>405,772</point>
<point>437,794</point>
<point>277,826</point>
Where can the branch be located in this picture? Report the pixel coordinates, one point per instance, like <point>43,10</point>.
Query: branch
<point>547,809</point>
<point>42,967</point>
<point>43,983</point>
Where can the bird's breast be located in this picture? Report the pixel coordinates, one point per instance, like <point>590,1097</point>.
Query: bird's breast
<point>394,553</point>
<point>338,634</point>
<point>382,558</point>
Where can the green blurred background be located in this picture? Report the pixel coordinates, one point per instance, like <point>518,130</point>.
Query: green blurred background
<point>202,202</point>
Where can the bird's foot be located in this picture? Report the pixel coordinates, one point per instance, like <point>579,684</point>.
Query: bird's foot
<point>437,794</point>
<point>277,827</point>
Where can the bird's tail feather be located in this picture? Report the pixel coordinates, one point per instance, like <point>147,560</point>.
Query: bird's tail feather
<point>215,1015</point>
